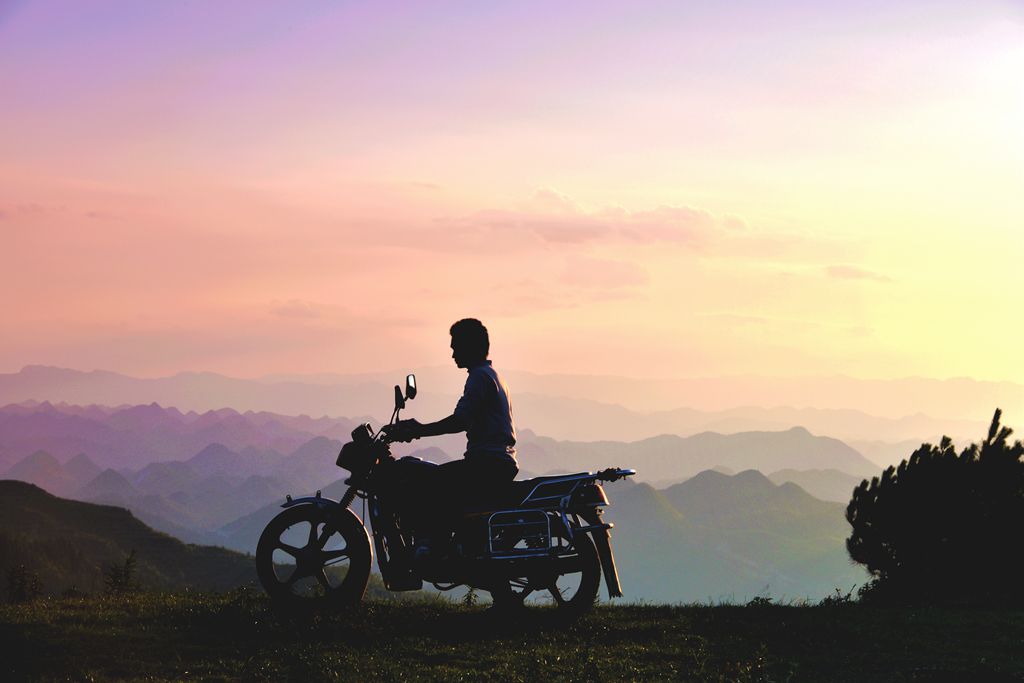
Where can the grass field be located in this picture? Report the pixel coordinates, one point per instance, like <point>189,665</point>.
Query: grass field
<point>237,637</point>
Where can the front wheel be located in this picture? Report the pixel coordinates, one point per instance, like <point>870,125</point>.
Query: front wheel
<point>314,556</point>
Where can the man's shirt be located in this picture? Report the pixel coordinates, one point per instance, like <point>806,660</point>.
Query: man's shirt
<point>486,406</point>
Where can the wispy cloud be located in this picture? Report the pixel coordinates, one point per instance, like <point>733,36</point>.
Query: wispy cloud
<point>603,273</point>
<point>294,308</point>
<point>23,210</point>
<point>554,220</point>
<point>846,272</point>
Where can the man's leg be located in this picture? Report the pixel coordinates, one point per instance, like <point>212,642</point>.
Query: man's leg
<point>444,490</point>
<point>454,486</point>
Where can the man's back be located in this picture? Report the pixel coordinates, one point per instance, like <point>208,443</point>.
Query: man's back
<point>487,409</point>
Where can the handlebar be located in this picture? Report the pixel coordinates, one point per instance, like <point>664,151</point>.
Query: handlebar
<point>615,473</point>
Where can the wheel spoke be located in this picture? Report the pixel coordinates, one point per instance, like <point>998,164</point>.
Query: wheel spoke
<point>327,555</point>
<point>556,593</point>
<point>321,576</point>
<point>569,565</point>
<point>290,549</point>
<point>312,533</point>
<point>328,531</point>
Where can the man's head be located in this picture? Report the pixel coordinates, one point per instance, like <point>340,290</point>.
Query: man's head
<point>470,343</point>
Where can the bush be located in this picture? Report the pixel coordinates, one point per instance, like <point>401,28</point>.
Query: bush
<point>120,578</point>
<point>944,527</point>
<point>23,585</point>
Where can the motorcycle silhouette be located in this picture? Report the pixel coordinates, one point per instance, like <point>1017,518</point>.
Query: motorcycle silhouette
<point>537,538</point>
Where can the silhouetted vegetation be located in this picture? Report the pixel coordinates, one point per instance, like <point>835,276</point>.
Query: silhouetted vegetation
<point>23,584</point>
<point>120,577</point>
<point>944,527</point>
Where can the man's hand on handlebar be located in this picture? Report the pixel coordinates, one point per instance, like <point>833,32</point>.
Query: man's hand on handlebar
<point>403,430</point>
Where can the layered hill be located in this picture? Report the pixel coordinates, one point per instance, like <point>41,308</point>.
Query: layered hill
<point>573,407</point>
<point>133,436</point>
<point>673,458</point>
<point>826,484</point>
<point>729,538</point>
<point>70,543</point>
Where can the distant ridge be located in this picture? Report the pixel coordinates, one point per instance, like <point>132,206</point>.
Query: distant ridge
<point>669,457</point>
<point>108,485</point>
<point>573,407</point>
<point>826,484</point>
<point>130,436</point>
<point>719,537</point>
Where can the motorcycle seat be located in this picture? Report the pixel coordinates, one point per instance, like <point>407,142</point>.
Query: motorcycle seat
<point>515,492</point>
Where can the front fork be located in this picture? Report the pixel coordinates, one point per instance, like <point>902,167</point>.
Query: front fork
<point>392,552</point>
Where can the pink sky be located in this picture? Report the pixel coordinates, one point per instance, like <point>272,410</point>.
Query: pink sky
<point>615,188</point>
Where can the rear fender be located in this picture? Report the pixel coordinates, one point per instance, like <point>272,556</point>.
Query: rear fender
<point>603,542</point>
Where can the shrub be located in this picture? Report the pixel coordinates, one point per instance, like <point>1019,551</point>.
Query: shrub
<point>23,584</point>
<point>944,527</point>
<point>120,578</point>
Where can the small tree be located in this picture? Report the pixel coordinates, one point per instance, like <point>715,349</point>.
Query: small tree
<point>23,584</point>
<point>120,578</point>
<point>943,526</point>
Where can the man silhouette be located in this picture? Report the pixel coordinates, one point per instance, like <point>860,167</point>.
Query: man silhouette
<point>485,413</point>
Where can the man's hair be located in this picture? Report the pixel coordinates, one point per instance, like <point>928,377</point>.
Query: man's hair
<point>471,333</point>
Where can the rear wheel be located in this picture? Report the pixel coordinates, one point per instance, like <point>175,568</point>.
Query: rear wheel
<point>569,582</point>
<point>312,556</point>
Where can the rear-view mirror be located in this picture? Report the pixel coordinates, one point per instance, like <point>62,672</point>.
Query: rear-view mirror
<point>410,387</point>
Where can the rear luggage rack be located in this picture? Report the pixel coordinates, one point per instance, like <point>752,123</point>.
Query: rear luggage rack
<point>519,533</point>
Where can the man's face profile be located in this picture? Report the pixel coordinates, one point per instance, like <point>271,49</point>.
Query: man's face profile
<point>457,354</point>
<point>461,353</point>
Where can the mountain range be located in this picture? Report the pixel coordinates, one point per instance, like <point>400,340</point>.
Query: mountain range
<point>727,538</point>
<point>131,436</point>
<point>584,408</point>
<point>685,533</point>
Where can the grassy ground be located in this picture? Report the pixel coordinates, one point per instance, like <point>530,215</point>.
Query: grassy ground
<point>236,637</point>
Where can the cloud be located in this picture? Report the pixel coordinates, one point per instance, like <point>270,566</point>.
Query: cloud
<point>603,273</point>
<point>844,272</point>
<point>551,219</point>
<point>551,200</point>
<point>23,210</point>
<point>294,308</point>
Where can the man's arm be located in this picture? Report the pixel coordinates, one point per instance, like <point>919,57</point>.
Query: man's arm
<point>459,421</point>
<point>453,424</point>
<point>407,430</point>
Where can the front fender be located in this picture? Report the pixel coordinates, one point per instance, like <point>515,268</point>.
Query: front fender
<point>317,500</point>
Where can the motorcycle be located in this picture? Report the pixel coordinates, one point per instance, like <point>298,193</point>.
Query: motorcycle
<point>537,538</point>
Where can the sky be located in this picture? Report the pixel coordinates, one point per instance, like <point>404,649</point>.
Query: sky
<point>629,188</point>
